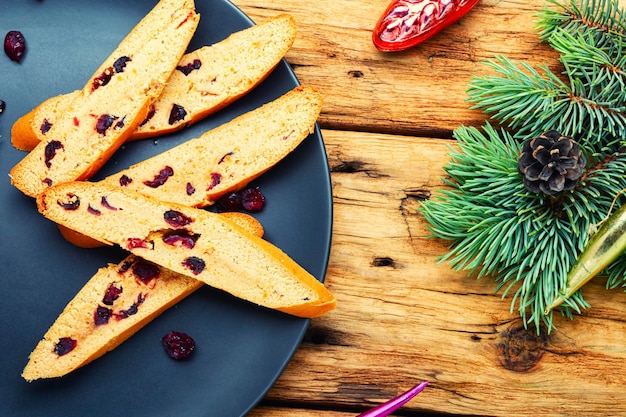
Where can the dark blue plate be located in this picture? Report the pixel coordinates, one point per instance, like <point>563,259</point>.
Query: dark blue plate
<point>241,349</point>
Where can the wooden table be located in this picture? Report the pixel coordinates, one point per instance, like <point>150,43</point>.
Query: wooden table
<point>403,318</point>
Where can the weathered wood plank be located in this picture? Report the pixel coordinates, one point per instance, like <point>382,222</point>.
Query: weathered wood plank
<point>421,91</point>
<point>403,318</point>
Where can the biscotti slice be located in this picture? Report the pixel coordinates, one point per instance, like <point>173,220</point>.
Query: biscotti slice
<point>187,240</point>
<point>111,105</point>
<point>198,172</point>
<point>206,80</point>
<point>112,306</point>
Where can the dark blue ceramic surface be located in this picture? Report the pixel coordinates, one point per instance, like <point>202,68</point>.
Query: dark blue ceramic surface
<point>241,349</point>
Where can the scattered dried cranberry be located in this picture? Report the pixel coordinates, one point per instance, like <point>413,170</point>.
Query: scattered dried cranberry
<point>146,271</point>
<point>102,79</point>
<point>187,69</point>
<point>125,180</point>
<point>252,199</point>
<point>190,189</point>
<point>249,199</point>
<point>14,45</point>
<point>230,202</point>
<point>132,310</point>
<point>178,345</point>
<point>177,114</point>
<point>120,63</point>
<point>150,115</point>
<point>135,242</point>
<point>181,238</point>
<point>194,264</point>
<point>102,315</point>
<point>3,105</point>
<point>160,178</point>
<point>176,218</point>
<point>125,266</point>
<point>50,151</point>
<point>45,126</point>
<point>104,122</point>
<point>105,203</point>
<point>223,158</point>
<point>216,178</point>
<point>112,293</point>
<point>72,203</point>
<point>93,211</point>
<point>64,346</point>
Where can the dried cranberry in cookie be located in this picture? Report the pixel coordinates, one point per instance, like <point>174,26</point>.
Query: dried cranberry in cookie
<point>177,114</point>
<point>64,346</point>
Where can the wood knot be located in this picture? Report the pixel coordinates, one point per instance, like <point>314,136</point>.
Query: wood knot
<point>383,261</point>
<point>356,73</point>
<point>520,349</point>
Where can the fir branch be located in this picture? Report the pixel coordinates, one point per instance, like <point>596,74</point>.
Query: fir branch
<point>603,16</point>
<point>526,242</point>
<point>531,102</point>
<point>602,66</point>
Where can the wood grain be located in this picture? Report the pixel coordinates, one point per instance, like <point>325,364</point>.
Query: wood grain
<point>421,91</point>
<point>402,316</point>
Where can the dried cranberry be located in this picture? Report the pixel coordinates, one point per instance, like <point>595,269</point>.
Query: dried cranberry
<point>102,79</point>
<point>229,202</point>
<point>135,242</point>
<point>216,178</point>
<point>3,105</point>
<point>177,114</point>
<point>178,345</point>
<point>181,238</point>
<point>102,315</point>
<point>252,199</point>
<point>47,181</point>
<point>93,211</point>
<point>150,115</point>
<point>190,189</point>
<point>14,45</point>
<point>125,180</point>
<point>105,203</point>
<point>125,266</point>
<point>45,126</point>
<point>72,203</point>
<point>132,310</point>
<point>51,150</point>
<point>188,68</point>
<point>120,63</point>
<point>146,271</point>
<point>64,346</point>
<point>160,178</point>
<point>104,122</point>
<point>194,264</point>
<point>121,123</point>
<point>223,158</point>
<point>112,293</point>
<point>176,218</point>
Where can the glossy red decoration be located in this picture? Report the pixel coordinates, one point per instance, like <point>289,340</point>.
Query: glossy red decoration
<point>406,23</point>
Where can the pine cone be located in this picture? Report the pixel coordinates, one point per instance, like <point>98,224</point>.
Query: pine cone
<point>551,163</point>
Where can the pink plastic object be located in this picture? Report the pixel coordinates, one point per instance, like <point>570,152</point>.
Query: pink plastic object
<point>392,405</point>
<point>406,23</point>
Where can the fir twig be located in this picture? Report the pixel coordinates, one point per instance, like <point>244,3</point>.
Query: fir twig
<point>530,102</point>
<point>497,228</point>
<point>604,16</point>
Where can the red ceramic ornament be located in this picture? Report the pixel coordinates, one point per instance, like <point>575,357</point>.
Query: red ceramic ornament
<point>406,23</point>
